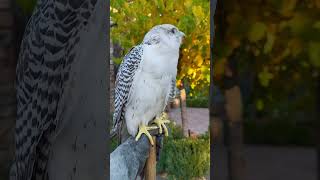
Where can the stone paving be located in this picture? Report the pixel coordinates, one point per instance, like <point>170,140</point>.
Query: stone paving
<point>197,119</point>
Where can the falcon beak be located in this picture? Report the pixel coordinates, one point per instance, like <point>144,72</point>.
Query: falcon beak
<point>182,35</point>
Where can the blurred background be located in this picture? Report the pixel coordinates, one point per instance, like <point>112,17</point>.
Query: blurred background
<point>266,59</point>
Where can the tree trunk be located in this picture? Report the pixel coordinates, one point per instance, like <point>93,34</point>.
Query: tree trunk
<point>112,83</point>
<point>233,108</point>
<point>7,88</point>
<point>183,107</point>
<point>150,169</point>
<point>317,126</point>
<point>235,145</point>
<point>112,78</point>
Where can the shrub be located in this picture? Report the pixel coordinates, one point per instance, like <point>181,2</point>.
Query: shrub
<point>184,158</point>
<point>200,102</point>
<point>278,132</point>
<point>176,131</point>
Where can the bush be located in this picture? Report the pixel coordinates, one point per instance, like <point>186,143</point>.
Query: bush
<point>278,132</point>
<point>114,143</point>
<point>184,158</point>
<point>175,131</point>
<point>200,102</point>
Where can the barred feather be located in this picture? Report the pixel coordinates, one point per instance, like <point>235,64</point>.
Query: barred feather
<point>123,84</point>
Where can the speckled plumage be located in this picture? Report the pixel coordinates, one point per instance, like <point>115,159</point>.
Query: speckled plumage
<point>146,78</point>
<point>47,53</point>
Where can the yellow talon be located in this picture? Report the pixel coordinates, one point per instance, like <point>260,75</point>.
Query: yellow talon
<point>161,124</point>
<point>143,129</point>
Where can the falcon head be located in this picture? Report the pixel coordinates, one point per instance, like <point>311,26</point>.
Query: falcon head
<point>165,34</point>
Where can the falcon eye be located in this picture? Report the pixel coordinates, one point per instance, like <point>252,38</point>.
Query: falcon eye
<point>173,30</point>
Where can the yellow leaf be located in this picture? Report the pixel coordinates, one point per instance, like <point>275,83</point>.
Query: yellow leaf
<point>190,71</point>
<point>317,25</point>
<point>295,47</point>
<point>269,43</point>
<point>257,32</point>
<point>298,23</point>
<point>194,74</point>
<point>187,3</point>
<point>256,51</point>
<point>178,83</point>
<point>193,85</point>
<point>314,53</point>
<point>198,13</point>
<point>208,78</point>
<point>288,7</point>
<point>259,104</point>
<point>265,76</point>
<point>198,60</point>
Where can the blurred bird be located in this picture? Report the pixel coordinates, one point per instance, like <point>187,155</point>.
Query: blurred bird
<point>48,50</point>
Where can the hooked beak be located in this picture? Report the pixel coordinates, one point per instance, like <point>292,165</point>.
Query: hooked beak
<point>182,34</point>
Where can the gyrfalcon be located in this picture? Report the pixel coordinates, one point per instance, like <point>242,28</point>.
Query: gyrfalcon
<point>146,81</point>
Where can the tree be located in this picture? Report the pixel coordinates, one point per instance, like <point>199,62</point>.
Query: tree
<point>279,44</point>
<point>189,16</point>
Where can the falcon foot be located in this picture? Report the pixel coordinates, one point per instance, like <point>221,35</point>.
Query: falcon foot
<point>160,122</point>
<point>143,129</point>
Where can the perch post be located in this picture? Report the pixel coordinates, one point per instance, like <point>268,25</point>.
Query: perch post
<point>150,170</point>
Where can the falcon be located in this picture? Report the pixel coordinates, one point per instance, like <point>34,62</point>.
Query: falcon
<point>146,81</point>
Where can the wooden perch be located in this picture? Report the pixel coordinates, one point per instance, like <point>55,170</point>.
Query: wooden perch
<point>128,160</point>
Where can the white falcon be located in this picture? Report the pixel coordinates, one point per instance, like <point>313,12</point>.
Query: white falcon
<point>146,81</point>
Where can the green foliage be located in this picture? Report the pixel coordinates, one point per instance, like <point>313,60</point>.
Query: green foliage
<point>278,132</point>
<point>200,102</point>
<point>135,18</point>
<point>114,143</point>
<point>278,43</point>
<point>27,6</point>
<point>176,131</point>
<point>198,98</point>
<point>184,158</point>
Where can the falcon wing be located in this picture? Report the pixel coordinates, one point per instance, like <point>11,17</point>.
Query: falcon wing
<point>172,93</point>
<point>123,84</point>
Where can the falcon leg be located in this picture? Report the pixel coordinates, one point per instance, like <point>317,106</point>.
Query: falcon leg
<point>160,122</point>
<point>143,129</point>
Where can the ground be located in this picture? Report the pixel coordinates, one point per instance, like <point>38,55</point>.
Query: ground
<point>276,163</point>
<point>197,119</point>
